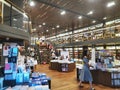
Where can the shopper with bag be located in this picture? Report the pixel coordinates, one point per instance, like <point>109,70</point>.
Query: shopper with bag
<point>85,74</point>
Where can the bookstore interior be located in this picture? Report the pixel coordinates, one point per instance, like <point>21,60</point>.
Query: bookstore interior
<point>58,33</point>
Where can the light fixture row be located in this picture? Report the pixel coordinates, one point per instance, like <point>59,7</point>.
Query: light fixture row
<point>110,4</point>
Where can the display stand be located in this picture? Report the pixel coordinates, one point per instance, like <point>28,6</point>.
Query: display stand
<point>62,66</point>
<point>10,53</point>
<point>45,54</point>
<point>111,79</point>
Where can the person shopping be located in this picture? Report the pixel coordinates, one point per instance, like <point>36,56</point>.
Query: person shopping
<point>85,74</point>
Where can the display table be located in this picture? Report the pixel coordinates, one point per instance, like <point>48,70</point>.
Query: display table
<point>62,66</point>
<point>108,78</point>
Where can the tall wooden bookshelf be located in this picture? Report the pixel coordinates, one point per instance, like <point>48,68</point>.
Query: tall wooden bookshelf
<point>45,54</point>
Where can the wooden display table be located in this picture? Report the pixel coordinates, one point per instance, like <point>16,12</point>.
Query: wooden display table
<point>62,66</point>
<point>111,79</point>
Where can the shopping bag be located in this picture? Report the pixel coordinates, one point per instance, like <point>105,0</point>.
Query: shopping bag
<point>26,77</point>
<point>19,78</point>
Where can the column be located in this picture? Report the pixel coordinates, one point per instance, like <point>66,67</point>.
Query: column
<point>93,54</point>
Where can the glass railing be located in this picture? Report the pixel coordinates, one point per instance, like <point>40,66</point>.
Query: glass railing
<point>13,16</point>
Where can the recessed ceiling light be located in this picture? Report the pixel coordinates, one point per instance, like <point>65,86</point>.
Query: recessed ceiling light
<point>44,23</point>
<point>40,25</point>
<point>76,40</point>
<point>46,30</point>
<point>80,17</point>
<point>90,13</point>
<point>110,4</point>
<point>25,22</point>
<point>53,28</point>
<point>66,29</point>
<point>14,19</point>
<point>63,13</point>
<point>30,22</point>
<point>32,3</point>
<point>58,26</point>
<point>34,29</point>
<point>105,18</point>
<point>94,21</point>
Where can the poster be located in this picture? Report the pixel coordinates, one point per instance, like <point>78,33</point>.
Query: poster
<point>65,54</point>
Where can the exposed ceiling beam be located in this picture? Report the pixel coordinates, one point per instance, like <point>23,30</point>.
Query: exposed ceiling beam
<point>68,10</point>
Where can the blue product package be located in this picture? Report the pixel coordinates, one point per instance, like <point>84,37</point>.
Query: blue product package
<point>35,75</point>
<point>35,83</point>
<point>26,77</point>
<point>8,68</point>
<point>20,70</point>
<point>19,78</point>
<point>8,77</point>
<point>42,75</point>
<point>14,51</point>
<point>44,82</point>
<point>14,74</point>
<point>14,67</point>
<point>1,82</point>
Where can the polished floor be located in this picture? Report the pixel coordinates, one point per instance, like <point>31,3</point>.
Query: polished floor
<point>67,80</point>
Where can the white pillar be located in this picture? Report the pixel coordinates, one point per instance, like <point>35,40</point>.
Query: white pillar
<point>93,55</point>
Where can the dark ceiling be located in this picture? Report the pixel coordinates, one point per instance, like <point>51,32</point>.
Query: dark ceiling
<point>48,11</point>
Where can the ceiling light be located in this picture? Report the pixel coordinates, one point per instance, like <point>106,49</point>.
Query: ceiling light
<point>34,29</point>
<point>58,26</point>
<point>89,13</point>
<point>53,28</point>
<point>46,30</point>
<point>76,40</point>
<point>94,21</point>
<point>32,3</point>
<point>105,18</point>
<point>30,22</point>
<point>24,14</point>
<point>66,29</point>
<point>14,19</point>
<point>63,13</point>
<point>80,17</point>
<point>110,4</point>
<point>40,25</point>
<point>44,23</point>
<point>25,22</point>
